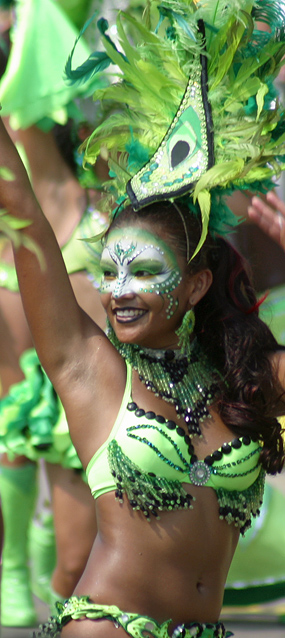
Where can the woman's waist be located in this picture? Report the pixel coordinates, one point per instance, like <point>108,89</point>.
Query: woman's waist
<point>155,590</point>
<point>148,567</point>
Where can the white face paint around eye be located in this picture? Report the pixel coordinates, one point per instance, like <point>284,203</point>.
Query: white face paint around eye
<point>135,261</point>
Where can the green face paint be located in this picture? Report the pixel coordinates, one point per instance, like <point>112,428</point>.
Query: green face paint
<point>136,261</point>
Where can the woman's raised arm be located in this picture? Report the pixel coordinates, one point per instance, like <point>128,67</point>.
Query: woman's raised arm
<point>57,323</point>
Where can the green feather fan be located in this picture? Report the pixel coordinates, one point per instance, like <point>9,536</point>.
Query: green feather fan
<point>154,59</point>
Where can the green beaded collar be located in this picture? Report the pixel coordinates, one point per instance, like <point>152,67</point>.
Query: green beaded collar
<point>189,383</point>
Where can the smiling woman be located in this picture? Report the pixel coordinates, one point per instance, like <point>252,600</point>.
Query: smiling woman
<point>145,288</point>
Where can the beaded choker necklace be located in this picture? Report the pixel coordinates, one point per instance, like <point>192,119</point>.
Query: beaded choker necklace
<point>189,383</point>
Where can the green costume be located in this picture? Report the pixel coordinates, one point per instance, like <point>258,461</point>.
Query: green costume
<point>176,131</point>
<point>18,489</point>
<point>33,89</point>
<point>33,424</point>
<point>134,625</point>
<point>148,459</point>
<point>32,421</point>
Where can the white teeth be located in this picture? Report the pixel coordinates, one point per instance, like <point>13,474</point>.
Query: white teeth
<point>128,312</point>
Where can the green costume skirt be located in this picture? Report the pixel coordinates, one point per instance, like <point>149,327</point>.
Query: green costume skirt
<point>133,624</point>
<point>32,419</point>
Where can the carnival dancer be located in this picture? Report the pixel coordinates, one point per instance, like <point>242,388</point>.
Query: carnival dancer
<point>32,421</point>
<point>173,413</point>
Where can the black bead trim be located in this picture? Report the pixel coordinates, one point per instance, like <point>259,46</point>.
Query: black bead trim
<point>226,448</point>
<point>192,419</point>
<point>171,425</point>
<point>236,444</point>
<point>132,406</point>
<point>217,455</point>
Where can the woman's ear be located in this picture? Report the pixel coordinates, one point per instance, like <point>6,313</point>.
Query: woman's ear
<point>199,284</point>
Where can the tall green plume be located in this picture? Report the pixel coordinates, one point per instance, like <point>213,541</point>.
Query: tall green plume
<point>153,60</point>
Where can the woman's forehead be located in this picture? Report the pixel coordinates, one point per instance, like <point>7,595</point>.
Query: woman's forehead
<point>127,237</point>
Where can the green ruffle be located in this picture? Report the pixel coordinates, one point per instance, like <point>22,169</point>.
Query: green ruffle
<point>62,450</point>
<point>32,419</point>
<point>27,412</point>
<point>135,625</point>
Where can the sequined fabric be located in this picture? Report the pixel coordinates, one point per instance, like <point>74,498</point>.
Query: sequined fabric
<point>133,624</point>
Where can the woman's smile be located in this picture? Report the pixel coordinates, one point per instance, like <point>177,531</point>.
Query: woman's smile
<point>128,314</point>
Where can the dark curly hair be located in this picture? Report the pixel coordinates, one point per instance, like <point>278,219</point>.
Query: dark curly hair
<point>238,343</point>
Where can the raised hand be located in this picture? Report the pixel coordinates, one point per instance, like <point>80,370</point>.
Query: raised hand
<point>269,216</point>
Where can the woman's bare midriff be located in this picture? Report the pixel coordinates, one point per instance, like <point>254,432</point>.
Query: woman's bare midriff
<point>172,568</point>
<point>175,567</point>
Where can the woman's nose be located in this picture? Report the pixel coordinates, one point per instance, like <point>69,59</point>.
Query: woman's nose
<point>123,294</point>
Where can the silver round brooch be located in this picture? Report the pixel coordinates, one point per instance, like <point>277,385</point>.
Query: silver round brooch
<point>199,473</point>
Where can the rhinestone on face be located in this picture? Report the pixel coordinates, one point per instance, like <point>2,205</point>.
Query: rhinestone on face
<point>199,473</point>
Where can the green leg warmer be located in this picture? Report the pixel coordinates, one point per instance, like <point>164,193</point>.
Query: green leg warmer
<point>18,488</point>
<point>43,555</point>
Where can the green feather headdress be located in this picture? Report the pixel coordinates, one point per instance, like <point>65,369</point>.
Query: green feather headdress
<point>239,140</point>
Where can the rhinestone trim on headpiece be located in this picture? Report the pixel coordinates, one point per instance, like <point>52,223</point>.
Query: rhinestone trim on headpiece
<point>186,152</point>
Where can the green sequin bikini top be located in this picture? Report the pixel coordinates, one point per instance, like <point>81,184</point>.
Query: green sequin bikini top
<point>148,459</point>
<point>78,255</point>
